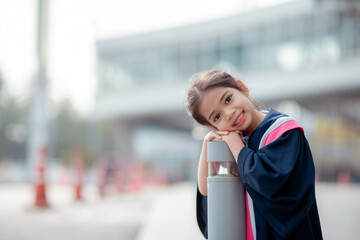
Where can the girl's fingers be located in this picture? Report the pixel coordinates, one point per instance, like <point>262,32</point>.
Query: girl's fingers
<point>216,135</point>
<point>223,132</point>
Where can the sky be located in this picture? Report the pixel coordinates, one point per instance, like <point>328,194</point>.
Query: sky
<point>74,27</point>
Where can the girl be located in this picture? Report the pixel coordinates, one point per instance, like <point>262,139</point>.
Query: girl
<point>272,155</point>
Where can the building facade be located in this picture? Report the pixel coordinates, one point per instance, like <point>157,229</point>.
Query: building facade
<point>307,52</point>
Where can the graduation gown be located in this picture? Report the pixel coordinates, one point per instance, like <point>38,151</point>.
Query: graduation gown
<point>279,178</point>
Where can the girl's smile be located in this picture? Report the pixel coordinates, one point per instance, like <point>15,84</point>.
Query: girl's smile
<point>240,119</point>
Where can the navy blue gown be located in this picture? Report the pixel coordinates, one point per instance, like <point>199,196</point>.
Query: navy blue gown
<point>280,178</point>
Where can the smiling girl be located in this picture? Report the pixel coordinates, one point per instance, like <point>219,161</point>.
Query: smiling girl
<point>272,154</point>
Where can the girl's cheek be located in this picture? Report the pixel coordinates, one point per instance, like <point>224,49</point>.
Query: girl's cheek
<point>221,127</point>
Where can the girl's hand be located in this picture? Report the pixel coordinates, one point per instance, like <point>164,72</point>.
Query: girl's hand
<point>233,140</point>
<point>215,136</point>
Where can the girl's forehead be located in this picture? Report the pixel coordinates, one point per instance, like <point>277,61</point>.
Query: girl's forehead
<point>218,91</point>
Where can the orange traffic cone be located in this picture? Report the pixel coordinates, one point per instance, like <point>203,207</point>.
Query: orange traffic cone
<point>119,178</point>
<point>162,179</point>
<point>102,177</point>
<point>79,172</point>
<point>159,178</point>
<point>344,177</point>
<point>40,195</point>
<point>137,178</point>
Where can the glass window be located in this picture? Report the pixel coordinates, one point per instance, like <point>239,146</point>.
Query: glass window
<point>249,37</point>
<point>269,33</point>
<point>188,48</point>
<point>169,61</point>
<point>229,55</point>
<point>250,56</point>
<point>357,34</point>
<point>347,34</point>
<point>207,60</point>
<point>188,64</point>
<point>153,65</point>
<point>207,45</point>
<point>229,40</point>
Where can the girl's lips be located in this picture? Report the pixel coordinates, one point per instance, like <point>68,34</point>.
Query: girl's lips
<point>240,119</point>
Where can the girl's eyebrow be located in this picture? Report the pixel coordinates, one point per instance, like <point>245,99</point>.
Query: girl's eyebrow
<point>219,102</point>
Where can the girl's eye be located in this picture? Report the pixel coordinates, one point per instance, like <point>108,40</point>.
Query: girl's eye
<point>216,117</point>
<point>228,99</point>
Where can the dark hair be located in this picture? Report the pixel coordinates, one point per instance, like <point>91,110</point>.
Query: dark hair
<point>203,82</point>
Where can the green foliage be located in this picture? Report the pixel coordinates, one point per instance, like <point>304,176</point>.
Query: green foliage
<point>72,132</point>
<point>68,130</point>
<point>13,119</point>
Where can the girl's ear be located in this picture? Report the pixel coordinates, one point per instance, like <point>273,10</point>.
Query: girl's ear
<point>243,87</point>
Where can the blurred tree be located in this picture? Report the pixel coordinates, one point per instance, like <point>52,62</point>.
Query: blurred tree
<point>13,118</point>
<point>69,131</point>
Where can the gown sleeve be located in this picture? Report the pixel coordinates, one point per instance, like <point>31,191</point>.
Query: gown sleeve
<point>280,178</point>
<point>201,213</point>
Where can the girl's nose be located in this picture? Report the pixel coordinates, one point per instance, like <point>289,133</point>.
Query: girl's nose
<point>230,113</point>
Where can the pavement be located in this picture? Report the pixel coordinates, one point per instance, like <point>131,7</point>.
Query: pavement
<point>155,213</point>
<point>339,210</point>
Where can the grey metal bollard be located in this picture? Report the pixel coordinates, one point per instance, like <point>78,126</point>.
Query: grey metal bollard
<point>226,202</point>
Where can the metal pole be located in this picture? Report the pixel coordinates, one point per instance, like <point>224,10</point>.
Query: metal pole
<point>226,198</point>
<point>38,123</point>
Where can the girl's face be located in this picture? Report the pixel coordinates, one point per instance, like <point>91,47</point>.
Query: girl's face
<point>228,109</point>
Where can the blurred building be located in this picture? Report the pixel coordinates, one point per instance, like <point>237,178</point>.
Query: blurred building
<point>305,52</point>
